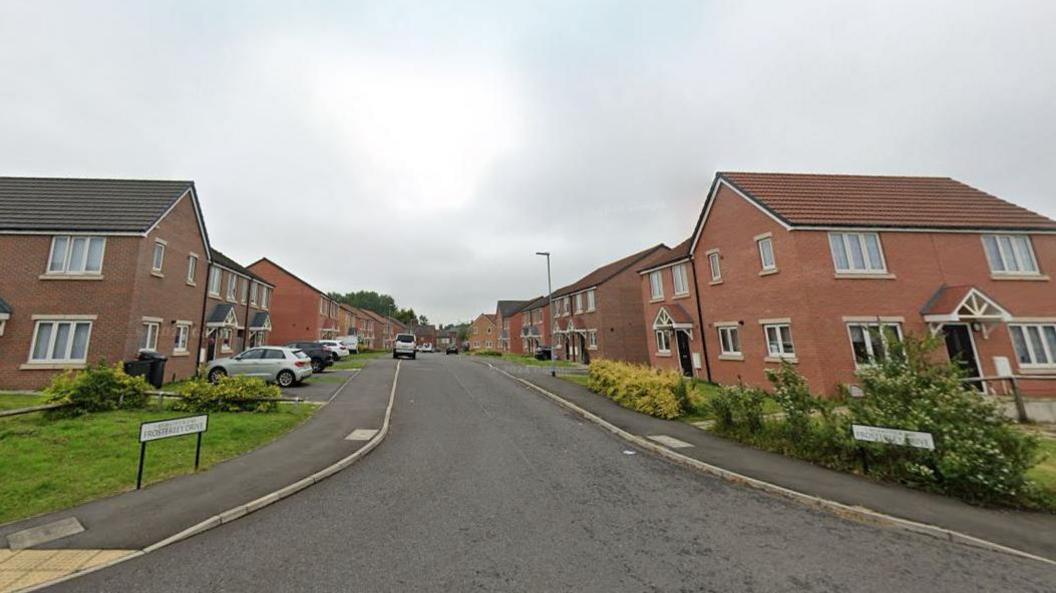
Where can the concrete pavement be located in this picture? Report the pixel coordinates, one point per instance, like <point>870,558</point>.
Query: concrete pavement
<point>483,485</point>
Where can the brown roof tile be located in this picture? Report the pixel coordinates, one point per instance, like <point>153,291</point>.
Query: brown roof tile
<point>882,201</point>
<point>607,271</point>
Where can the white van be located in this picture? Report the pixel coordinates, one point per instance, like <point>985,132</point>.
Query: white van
<point>350,342</point>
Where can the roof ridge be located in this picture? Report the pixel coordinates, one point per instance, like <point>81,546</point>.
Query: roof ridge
<point>816,174</point>
<point>137,179</point>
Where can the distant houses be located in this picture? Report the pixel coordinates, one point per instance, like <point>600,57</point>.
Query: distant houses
<point>820,271</point>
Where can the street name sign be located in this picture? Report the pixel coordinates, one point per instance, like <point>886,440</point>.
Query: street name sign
<point>163,429</point>
<point>893,436</point>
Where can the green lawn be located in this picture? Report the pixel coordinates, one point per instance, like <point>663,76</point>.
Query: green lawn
<point>577,379</point>
<point>326,378</point>
<point>529,360</point>
<point>54,464</point>
<point>358,361</point>
<point>14,401</point>
<point>1045,472</point>
<point>699,394</point>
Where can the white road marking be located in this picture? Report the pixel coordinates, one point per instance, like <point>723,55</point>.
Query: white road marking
<point>362,434</point>
<point>672,442</point>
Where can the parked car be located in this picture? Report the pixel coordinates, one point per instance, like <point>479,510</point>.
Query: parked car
<point>321,357</point>
<point>542,352</point>
<point>404,346</point>
<point>274,364</point>
<point>336,348</point>
<point>427,347</point>
<point>452,349</point>
<point>350,342</point>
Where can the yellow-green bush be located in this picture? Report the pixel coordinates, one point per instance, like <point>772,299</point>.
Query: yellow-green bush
<point>640,388</point>
<point>229,394</point>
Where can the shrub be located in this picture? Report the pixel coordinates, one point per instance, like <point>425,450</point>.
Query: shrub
<point>229,394</point>
<point>97,388</point>
<point>737,409</point>
<point>640,388</point>
<point>487,353</point>
<point>979,455</point>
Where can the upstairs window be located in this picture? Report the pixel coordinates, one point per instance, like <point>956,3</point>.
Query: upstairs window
<point>254,287</point>
<point>681,279</point>
<point>76,255</point>
<point>192,268</point>
<point>244,294</point>
<point>215,278</point>
<point>265,297</point>
<point>232,283</point>
<point>579,303</point>
<point>857,253</point>
<point>1010,254</point>
<point>766,254</point>
<point>591,304</point>
<point>159,257</point>
<point>656,285</point>
<point>716,267</point>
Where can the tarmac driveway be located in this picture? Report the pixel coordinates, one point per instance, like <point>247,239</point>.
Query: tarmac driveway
<point>320,387</point>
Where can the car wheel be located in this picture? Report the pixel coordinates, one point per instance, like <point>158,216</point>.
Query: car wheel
<point>285,379</point>
<point>414,356</point>
<point>394,356</point>
<point>317,365</point>
<point>334,357</point>
<point>217,374</point>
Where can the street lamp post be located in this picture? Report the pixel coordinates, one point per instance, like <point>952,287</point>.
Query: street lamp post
<point>550,291</point>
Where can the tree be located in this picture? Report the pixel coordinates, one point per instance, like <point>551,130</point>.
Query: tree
<point>382,304</point>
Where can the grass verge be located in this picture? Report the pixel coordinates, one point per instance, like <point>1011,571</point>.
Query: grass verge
<point>14,401</point>
<point>51,464</point>
<point>531,361</point>
<point>1044,473</point>
<point>359,360</point>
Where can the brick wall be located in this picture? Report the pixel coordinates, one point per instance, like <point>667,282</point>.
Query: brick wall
<point>670,360</point>
<point>294,308</point>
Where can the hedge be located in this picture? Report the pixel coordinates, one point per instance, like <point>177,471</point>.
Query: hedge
<point>643,389</point>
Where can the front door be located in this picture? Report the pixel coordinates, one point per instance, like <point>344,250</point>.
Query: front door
<point>961,349</point>
<point>583,348</point>
<point>684,357</point>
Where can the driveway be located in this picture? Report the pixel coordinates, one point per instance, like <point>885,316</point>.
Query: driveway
<point>320,387</point>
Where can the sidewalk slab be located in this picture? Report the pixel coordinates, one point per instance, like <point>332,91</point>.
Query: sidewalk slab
<point>1031,532</point>
<point>136,519</point>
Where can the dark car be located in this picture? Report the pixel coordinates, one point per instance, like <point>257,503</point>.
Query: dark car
<point>321,357</point>
<point>452,349</point>
<point>542,353</point>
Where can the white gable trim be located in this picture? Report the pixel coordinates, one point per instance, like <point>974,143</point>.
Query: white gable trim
<point>719,182</point>
<point>670,264</point>
<point>197,213</point>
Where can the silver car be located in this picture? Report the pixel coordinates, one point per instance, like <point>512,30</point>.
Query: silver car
<point>274,364</point>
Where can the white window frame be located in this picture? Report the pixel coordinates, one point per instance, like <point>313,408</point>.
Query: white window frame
<point>786,351</point>
<point>591,301</point>
<point>254,287</point>
<point>49,359</point>
<point>579,302</point>
<point>216,281</point>
<point>183,330</point>
<point>663,341</point>
<point>730,334</point>
<point>1007,252</point>
<point>243,294</point>
<point>157,264</point>
<point>151,329</point>
<point>68,254</point>
<point>866,327</point>
<point>679,275</point>
<point>1047,349</point>
<point>715,264</point>
<point>845,238</point>
<point>232,287</point>
<point>592,339</point>
<point>265,297</point>
<point>192,269</point>
<point>656,286</point>
<point>767,241</point>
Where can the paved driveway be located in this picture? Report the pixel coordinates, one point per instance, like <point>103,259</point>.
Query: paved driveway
<point>482,485</point>
<point>320,387</point>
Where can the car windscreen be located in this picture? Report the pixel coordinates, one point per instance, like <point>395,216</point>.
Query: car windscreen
<point>405,338</point>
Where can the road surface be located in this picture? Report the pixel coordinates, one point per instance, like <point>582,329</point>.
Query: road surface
<point>483,485</point>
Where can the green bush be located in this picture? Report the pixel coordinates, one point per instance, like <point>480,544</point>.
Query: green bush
<point>640,388</point>
<point>737,410</point>
<point>97,388</point>
<point>979,455</point>
<point>238,393</point>
<point>487,353</point>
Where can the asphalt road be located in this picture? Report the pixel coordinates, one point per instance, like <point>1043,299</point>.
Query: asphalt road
<point>482,485</point>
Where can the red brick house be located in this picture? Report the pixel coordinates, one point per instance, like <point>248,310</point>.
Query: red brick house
<point>299,311</point>
<point>483,333</point>
<point>236,308</point>
<point>535,324</point>
<point>600,315</point>
<point>425,334</point>
<point>509,323</point>
<point>380,328</point>
<point>98,269</point>
<point>823,270</point>
<point>672,314</point>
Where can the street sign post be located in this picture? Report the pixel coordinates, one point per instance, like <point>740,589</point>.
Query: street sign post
<point>163,429</point>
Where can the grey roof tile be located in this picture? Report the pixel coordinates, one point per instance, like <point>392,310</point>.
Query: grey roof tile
<point>100,205</point>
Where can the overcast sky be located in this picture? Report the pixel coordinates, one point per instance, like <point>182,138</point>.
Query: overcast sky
<point>429,151</point>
